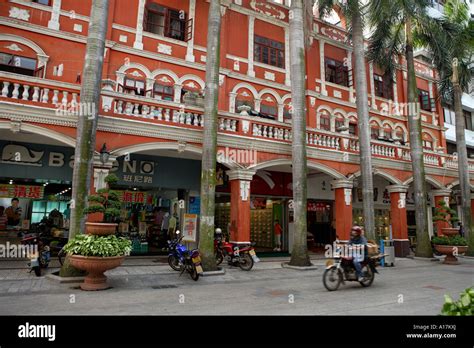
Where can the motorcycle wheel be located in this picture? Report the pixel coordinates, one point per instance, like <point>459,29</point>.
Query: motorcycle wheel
<point>246,262</point>
<point>369,278</point>
<point>174,263</point>
<point>219,258</point>
<point>37,270</point>
<point>193,273</point>
<point>332,278</point>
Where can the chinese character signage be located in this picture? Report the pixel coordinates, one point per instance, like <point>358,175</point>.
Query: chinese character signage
<point>21,191</point>
<point>132,196</point>
<point>190,227</point>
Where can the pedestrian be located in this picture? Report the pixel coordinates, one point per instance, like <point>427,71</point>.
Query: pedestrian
<point>461,229</point>
<point>13,212</point>
<point>3,218</point>
<point>278,231</point>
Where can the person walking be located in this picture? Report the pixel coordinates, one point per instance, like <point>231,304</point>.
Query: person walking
<point>278,231</point>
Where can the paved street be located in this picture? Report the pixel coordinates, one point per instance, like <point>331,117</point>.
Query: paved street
<point>141,286</point>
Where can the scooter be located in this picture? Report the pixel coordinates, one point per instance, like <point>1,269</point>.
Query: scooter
<point>177,252</point>
<point>40,257</point>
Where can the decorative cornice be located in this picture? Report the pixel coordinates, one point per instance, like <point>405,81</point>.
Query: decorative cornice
<point>342,183</point>
<point>441,193</point>
<point>240,174</point>
<point>397,188</point>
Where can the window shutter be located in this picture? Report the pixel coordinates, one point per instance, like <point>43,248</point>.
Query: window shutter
<point>145,19</point>
<point>188,29</point>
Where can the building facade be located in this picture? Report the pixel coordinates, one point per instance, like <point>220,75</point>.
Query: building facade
<point>151,117</point>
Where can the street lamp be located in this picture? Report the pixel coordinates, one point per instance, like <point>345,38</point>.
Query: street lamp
<point>104,154</point>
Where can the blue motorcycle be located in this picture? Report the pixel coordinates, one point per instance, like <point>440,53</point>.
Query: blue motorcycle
<point>177,253</point>
<point>184,260</point>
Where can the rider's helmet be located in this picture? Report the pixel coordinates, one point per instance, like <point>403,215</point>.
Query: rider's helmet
<point>357,230</point>
<point>218,233</point>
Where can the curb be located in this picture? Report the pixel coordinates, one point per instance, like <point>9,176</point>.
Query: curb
<point>64,280</point>
<point>220,271</point>
<point>299,268</point>
<point>432,259</point>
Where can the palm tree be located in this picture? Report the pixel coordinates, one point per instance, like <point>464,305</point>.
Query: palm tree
<point>451,43</point>
<point>393,23</point>
<point>354,12</point>
<point>87,123</point>
<point>299,254</point>
<point>208,171</point>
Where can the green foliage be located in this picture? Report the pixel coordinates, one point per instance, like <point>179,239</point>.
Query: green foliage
<point>446,214</point>
<point>461,307</point>
<point>111,179</point>
<point>96,198</point>
<point>94,208</point>
<point>101,246</point>
<point>454,240</point>
<point>111,213</point>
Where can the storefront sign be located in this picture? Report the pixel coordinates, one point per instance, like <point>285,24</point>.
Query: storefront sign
<point>318,206</point>
<point>132,196</point>
<point>190,227</point>
<point>194,205</point>
<point>21,191</point>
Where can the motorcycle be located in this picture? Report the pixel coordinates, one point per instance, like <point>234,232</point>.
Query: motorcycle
<point>192,264</point>
<point>342,269</point>
<point>177,252</point>
<point>42,255</point>
<point>238,255</point>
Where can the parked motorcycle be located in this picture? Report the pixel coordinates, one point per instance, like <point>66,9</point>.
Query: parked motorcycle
<point>192,264</point>
<point>177,252</point>
<point>42,255</point>
<point>238,255</point>
<point>342,269</point>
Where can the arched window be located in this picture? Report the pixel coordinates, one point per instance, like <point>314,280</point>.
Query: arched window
<point>374,131</point>
<point>340,122</point>
<point>244,97</point>
<point>192,89</point>
<point>269,107</point>
<point>428,142</point>
<point>163,88</point>
<point>400,134</point>
<point>134,85</point>
<point>387,133</point>
<point>325,121</point>
<point>353,126</point>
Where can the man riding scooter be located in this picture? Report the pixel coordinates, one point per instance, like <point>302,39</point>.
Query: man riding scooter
<point>358,240</point>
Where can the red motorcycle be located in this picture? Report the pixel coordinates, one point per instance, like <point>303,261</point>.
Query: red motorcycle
<point>238,255</point>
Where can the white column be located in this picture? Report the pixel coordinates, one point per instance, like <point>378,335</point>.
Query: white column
<point>281,110</point>
<point>138,44</point>
<point>54,21</point>
<point>431,92</point>
<point>321,67</point>
<point>372,87</point>
<point>232,98</point>
<point>190,47</point>
<point>250,71</point>
<point>258,102</point>
<point>287,56</point>
<point>351,80</point>
<point>150,83</point>
<point>177,93</point>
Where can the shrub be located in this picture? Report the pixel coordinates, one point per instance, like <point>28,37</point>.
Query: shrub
<point>455,240</point>
<point>101,246</point>
<point>446,214</point>
<point>463,306</point>
<point>94,208</point>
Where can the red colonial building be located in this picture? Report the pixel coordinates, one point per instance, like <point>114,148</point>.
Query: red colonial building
<point>151,119</point>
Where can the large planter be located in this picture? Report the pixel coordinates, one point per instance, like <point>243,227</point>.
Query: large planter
<point>448,250</point>
<point>95,217</point>
<point>100,228</point>
<point>95,267</point>
<point>449,231</point>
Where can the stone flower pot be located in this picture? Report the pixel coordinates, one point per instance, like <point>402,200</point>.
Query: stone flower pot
<point>449,231</point>
<point>95,267</point>
<point>100,228</point>
<point>448,250</point>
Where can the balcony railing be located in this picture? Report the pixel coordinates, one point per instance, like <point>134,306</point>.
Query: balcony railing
<point>54,94</point>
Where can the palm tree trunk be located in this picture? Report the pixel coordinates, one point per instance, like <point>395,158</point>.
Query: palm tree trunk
<point>423,247</point>
<point>363,124</point>
<point>87,123</point>
<point>463,165</point>
<point>208,171</point>
<point>299,254</point>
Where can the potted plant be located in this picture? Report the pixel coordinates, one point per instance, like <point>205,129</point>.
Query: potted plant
<point>95,255</point>
<point>451,247</point>
<point>446,214</point>
<point>103,209</point>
